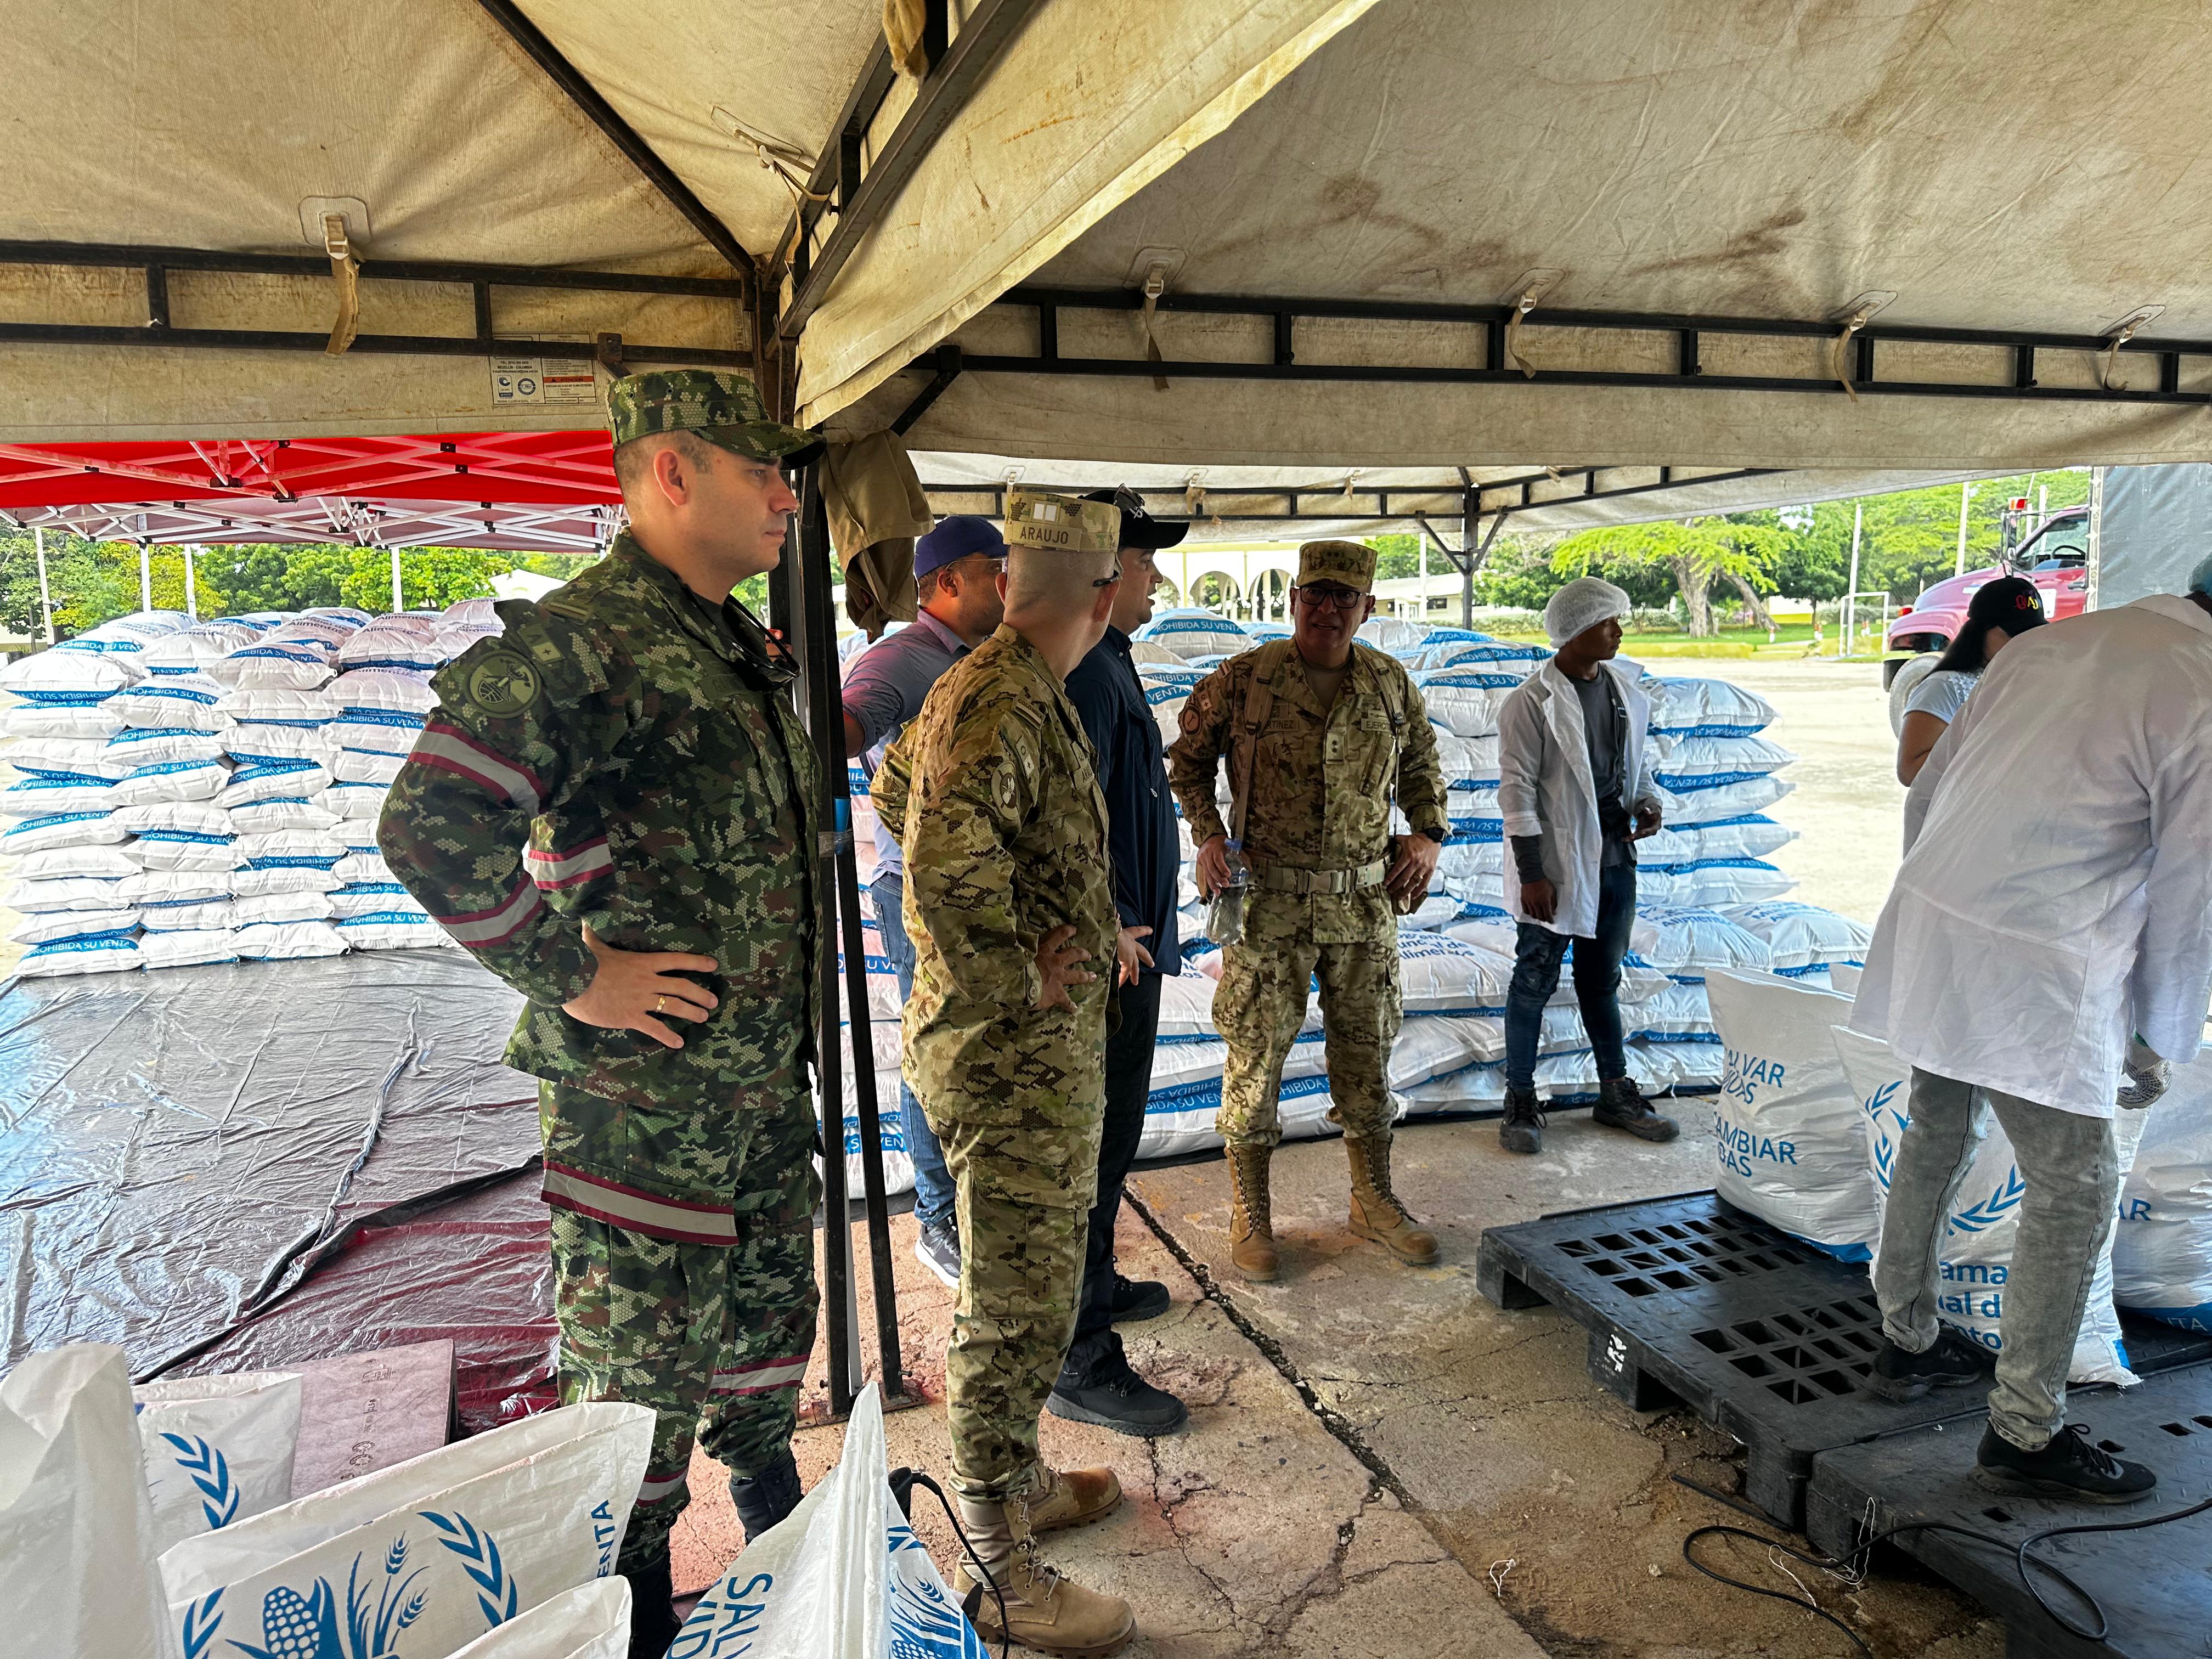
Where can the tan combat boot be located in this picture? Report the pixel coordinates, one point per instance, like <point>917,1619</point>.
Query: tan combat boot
<point>1376,1211</point>
<point>1251,1233</point>
<point>1073,1498</point>
<point>1042,1609</point>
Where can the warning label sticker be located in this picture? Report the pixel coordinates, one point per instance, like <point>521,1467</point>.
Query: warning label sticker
<point>540,380</point>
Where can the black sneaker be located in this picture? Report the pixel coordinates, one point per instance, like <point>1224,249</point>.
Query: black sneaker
<point>1139,1298</point>
<point>937,1247</point>
<point>1952,1362</point>
<point>1621,1105</point>
<point>2069,1465</point>
<point>1521,1128</point>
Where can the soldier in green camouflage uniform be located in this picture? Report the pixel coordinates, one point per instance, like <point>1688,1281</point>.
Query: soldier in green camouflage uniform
<point>1008,890</point>
<point>1321,732</point>
<point>613,798</point>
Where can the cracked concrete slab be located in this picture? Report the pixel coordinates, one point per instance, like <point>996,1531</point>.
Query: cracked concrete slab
<point>1515,1462</point>
<point>1255,1532</point>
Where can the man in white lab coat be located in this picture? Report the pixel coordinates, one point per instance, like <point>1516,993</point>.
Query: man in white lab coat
<point>2056,899</point>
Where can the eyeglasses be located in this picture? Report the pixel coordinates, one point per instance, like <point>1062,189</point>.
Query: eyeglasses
<point>1108,581</point>
<point>1339,598</point>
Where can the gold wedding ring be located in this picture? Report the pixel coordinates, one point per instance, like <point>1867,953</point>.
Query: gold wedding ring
<point>660,1003</point>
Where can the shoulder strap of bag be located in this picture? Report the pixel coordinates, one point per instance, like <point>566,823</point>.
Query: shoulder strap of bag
<point>1245,725</point>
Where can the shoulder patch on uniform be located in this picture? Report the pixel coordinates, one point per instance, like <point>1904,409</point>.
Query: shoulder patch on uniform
<point>567,607</point>
<point>501,683</point>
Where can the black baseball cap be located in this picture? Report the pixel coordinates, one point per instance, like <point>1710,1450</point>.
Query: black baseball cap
<point>2012,603</point>
<point>1138,527</point>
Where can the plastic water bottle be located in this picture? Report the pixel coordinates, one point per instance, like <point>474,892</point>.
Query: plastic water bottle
<point>1224,917</point>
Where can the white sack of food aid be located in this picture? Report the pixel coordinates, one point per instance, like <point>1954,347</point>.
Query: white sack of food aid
<point>1975,1252</point>
<point>1716,802</point>
<point>842,1576</point>
<point>1800,935</point>
<point>444,1547</point>
<point>216,1449</point>
<point>76,1531</point>
<point>2162,1251</point>
<point>1707,708</point>
<point>1790,1138</point>
<point>591,1621</point>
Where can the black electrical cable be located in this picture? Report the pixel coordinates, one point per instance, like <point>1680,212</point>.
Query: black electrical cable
<point>1843,1566</point>
<point>916,1478</point>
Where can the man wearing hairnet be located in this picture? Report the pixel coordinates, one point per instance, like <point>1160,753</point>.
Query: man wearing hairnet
<point>1575,789</point>
<point>2044,955</point>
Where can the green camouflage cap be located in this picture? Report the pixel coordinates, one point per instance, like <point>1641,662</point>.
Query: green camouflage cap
<point>722,408</point>
<point>1350,563</point>
<point>1062,524</point>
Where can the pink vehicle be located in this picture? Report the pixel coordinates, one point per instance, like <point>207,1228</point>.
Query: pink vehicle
<point>2054,555</point>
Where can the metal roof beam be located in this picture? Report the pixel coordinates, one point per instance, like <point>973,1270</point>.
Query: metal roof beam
<point>985,32</point>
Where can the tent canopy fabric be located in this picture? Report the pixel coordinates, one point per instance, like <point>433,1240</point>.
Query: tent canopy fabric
<point>1695,198</point>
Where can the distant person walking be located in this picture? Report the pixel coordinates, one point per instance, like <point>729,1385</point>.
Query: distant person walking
<point>1998,613</point>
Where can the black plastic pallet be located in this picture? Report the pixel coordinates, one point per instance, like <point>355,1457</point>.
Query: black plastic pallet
<point>1689,1302</point>
<point>2156,1587</point>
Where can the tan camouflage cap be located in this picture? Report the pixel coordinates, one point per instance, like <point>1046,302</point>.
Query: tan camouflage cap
<point>1064,524</point>
<point>1349,564</point>
<point>723,408</point>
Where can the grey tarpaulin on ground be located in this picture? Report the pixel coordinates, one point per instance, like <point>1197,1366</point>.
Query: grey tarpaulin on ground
<point>178,1152</point>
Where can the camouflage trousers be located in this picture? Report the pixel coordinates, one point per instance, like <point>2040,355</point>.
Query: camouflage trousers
<point>1025,1191</point>
<point>1265,981</point>
<point>714,1338</point>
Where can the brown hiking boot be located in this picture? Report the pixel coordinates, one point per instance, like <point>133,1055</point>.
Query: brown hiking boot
<point>1251,1233</point>
<point>1041,1610</point>
<point>1376,1211</point>
<point>1073,1498</point>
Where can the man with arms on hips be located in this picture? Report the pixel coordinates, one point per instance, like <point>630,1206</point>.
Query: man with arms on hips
<point>957,569</point>
<point>1320,732</point>
<point>1096,1382</point>
<point>1009,895</point>
<point>1575,789</point>
<point>613,807</point>
<point>2044,955</point>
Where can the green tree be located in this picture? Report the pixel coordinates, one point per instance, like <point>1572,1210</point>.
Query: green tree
<point>430,577</point>
<point>1694,554</point>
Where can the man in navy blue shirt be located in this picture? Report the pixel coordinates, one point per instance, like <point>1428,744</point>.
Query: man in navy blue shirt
<point>957,569</point>
<point>1096,1383</point>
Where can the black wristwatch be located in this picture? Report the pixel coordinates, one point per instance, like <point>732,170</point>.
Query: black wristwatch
<point>1436,835</point>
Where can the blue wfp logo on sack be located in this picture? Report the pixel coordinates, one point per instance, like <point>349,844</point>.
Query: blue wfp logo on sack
<point>378,1606</point>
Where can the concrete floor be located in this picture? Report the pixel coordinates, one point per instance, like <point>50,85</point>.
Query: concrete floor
<point>1378,1460</point>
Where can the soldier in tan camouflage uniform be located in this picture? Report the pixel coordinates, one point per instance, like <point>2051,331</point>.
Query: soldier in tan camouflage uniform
<point>1320,732</point>
<point>1008,893</point>
<point>613,807</point>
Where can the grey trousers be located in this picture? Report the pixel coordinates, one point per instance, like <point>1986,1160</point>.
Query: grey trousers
<point>2073,1177</point>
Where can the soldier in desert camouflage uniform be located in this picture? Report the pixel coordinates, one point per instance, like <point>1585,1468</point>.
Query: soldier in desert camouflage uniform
<point>1320,731</point>
<point>1008,891</point>
<point>614,808</point>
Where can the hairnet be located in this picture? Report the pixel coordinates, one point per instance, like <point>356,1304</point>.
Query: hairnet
<point>1582,603</point>
<point>2200,579</point>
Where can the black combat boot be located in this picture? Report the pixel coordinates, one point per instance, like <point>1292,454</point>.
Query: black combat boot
<point>765,1498</point>
<point>1621,1105</point>
<point>653,1620</point>
<point>1521,1128</point>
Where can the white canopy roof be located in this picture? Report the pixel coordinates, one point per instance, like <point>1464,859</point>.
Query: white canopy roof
<point>1334,197</point>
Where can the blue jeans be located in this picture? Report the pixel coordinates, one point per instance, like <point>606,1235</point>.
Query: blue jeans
<point>934,1191</point>
<point>1597,983</point>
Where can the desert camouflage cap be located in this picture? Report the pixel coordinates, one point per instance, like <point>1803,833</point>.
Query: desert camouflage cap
<point>721,407</point>
<point>1348,563</point>
<point>1066,524</point>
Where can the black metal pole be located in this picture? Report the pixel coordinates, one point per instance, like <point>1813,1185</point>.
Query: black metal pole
<point>812,541</point>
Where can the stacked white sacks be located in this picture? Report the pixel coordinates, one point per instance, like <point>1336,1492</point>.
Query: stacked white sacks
<point>223,780</point>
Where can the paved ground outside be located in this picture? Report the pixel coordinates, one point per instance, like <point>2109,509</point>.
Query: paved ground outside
<point>1378,1460</point>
